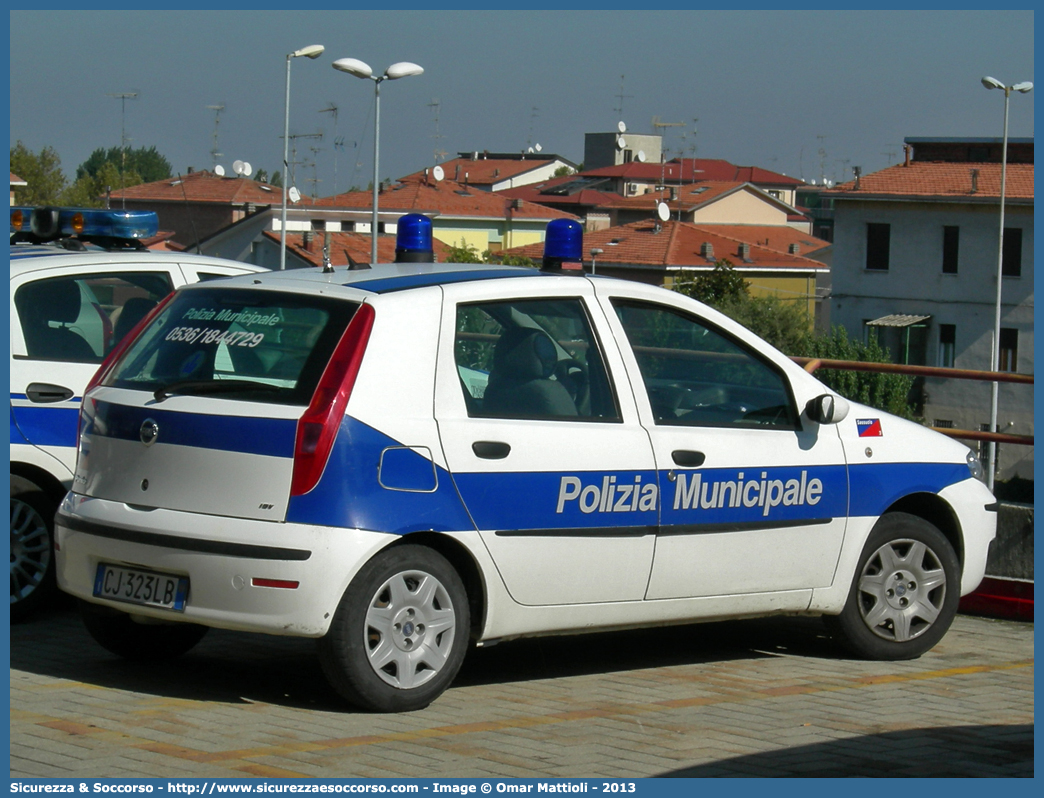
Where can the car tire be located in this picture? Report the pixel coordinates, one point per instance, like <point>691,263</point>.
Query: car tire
<point>32,548</point>
<point>400,631</point>
<point>904,593</point>
<point>118,633</point>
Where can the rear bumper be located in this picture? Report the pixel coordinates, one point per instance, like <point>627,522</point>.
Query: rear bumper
<point>221,557</point>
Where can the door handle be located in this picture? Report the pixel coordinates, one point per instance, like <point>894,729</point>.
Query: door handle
<point>491,450</point>
<point>687,459</point>
<point>44,393</point>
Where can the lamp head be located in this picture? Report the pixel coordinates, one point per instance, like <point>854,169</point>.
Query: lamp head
<point>992,83</point>
<point>403,69</point>
<point>311,51</point>
<point>353,66</point>
<point>1023,87</point>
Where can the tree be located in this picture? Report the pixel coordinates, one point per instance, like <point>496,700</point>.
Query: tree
<point>563,171</point>
<point>146,162</point>
<point>720,286</point>
<point>464,253</point>
<point>42,172</point>
<point>507,260</point>
<point>888,392</point>
<point>89,191</point>
<point>784,324</point>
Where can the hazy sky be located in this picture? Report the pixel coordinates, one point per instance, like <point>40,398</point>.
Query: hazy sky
<point>807,93</point>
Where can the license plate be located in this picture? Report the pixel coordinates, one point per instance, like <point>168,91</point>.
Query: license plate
<point>145,588</point>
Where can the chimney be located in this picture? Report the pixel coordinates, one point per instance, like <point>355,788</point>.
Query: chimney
<point>794,249</point>
<point>707,250</point>
<point>744,251</point>
<point>516,204</point>
<point>474,155</point>
<point>425,175</point>
<point>190,170</point>
<point>307,238</point>
<point>907,149</point>
<point>858,173</point>
<point>456,174</point>
<point>975,181</point>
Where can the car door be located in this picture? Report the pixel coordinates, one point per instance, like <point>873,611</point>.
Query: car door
<point>544,442</point>
<point>754,497</point>
<point>64,320</point>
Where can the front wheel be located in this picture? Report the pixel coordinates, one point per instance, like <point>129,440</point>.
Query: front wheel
<point>32,548</point>
<point>904,594</point>
<point>400,631</point>
<point>118,633</point>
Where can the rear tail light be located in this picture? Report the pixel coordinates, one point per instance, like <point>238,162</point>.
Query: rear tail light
<point>318,427</point>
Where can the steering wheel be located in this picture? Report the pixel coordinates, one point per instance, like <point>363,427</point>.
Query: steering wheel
<point>573,376</point>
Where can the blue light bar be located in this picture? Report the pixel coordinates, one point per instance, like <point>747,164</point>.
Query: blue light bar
<point>563,247</point>
<point>413,239</point>
<point>564,240</point>
<point>20,216</point>
<point>50,223</point>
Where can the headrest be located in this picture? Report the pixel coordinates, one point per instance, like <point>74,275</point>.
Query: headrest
<point>524,354</point>
<point>50,300</point>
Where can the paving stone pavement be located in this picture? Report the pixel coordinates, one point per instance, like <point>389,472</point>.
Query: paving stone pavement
<point>770,697</point>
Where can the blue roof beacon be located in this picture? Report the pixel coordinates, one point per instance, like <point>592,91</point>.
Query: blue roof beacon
<point>563,246</point>
<point>413,240</point>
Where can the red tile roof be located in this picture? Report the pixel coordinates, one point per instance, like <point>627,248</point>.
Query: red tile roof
<point>486,171</point>
<point>689,170</point>
<point>688,196</point>
<point>205,186</point>
<point>446,198</point>
<point>945,180</point>
<point>679,244</point>
<point>17,181</point>
<point>343,245</point>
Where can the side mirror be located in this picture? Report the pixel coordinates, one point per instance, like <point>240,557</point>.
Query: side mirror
<point>827,409</point>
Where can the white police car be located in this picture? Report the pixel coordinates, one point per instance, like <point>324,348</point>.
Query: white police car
<point>78,286</point>
<point>398,460</point>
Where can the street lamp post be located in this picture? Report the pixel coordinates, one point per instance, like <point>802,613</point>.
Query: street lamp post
<point>360,69</point>
<point>1022,88</point>
<point>594,255</point>
<point>311,51</point>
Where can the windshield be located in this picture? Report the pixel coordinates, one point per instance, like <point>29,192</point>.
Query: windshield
<point>236,342</point>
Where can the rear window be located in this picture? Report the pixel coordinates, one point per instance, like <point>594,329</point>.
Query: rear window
<point>246,344</point>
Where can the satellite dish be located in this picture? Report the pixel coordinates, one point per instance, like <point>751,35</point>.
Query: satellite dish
<point>662,211</point>
<point>621,127</point>
<point>530,150</point>
<point>537,147</point>
<point>237,167</point>
<point>621,142</point>
<point>219,170</point>
<point>640,156</point>
<point>247,169</point>
<point>294,194</point>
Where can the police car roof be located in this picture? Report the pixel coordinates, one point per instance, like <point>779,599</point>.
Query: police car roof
<point>384,278</point>
<point>29,257</point>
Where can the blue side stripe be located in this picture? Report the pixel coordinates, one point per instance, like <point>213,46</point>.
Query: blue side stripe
<point>389,284</point>
<point>273,437</point>
<point>46,426</point>
<point>876,486</point>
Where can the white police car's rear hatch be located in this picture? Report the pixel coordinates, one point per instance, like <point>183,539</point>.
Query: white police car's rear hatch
<point>219,405</point>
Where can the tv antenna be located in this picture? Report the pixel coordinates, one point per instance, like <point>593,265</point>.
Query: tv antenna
<point>293,156</point>
<point>215,153</point>
<point>123,96</point>
<point>314,180</point>
<point>338,142</point>
<point>532,121</point>
<point>435,105</point>
<point>621,97</point>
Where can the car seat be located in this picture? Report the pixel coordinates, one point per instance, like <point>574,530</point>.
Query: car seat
<point>52,301</point>
<point>520,384</point>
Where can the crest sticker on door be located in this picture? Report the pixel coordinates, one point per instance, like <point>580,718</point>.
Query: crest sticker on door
<point>869,427</point>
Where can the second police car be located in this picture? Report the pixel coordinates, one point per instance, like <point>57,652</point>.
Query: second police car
<point>403,459</point>
<point>80,281</point>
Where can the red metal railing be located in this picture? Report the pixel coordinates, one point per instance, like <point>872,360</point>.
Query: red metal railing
<point>810,364</point>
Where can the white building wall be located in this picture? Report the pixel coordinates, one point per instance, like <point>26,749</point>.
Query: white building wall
<point>916,284</point>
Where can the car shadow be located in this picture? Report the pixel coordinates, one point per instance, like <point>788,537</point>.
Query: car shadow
<point>238,667</point>
<point>946,752</point>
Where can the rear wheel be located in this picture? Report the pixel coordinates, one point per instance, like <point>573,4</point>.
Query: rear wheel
<point>32,548</point>
<point>400,631</point>
<point>904,594</point>
<point>118,633</point>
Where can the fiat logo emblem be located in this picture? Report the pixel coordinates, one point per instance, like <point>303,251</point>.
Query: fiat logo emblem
<point>149,432</point>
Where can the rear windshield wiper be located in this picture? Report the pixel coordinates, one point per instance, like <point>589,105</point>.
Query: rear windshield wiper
<point>201,387</point>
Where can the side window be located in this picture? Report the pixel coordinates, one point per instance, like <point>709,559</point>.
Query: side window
<point>80,319</point>
<point>696,376</point>
<point>535,358</point>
